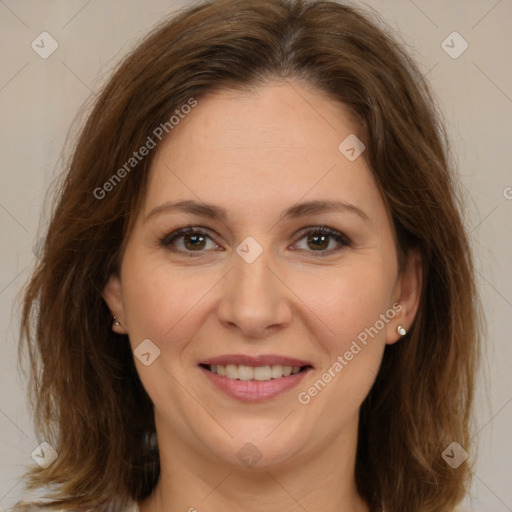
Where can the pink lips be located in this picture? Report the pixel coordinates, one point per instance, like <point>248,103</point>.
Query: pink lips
<point>262,360</point>
<point>254,391</point>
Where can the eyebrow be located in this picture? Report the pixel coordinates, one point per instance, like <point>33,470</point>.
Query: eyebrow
<point>217,213</point>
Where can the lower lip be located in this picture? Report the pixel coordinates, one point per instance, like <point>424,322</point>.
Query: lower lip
<point>254,390</point>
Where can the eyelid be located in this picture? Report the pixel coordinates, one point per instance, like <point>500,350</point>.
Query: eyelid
<point>342,240</point>
<point>181,232</point>
<point>324,229</point>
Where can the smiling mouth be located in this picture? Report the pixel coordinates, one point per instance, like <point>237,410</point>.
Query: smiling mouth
<point>254,373</point>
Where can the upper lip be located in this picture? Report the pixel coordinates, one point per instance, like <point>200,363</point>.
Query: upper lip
<point>261,360</point>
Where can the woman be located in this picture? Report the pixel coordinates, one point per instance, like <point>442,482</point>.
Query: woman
<point>256,291</point>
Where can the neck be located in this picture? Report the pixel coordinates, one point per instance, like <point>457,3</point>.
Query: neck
<point>322,479</point>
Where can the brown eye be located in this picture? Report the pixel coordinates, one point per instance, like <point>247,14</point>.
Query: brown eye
<point>194,241</point>
<point>324,240</point>
<point>188,240</point>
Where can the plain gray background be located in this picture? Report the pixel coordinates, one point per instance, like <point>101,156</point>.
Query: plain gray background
<point>40,97</point>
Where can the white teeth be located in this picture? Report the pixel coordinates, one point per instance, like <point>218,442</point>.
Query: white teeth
<point>231,371</point>
<point>287,371</point>
<point>245,372</point>
<point>277,371</point>
<point>260,373</point>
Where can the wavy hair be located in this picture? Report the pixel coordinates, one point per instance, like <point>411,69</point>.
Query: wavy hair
<point>89,403</point>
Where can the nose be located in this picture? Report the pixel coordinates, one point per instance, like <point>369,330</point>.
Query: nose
<point>255,298</point>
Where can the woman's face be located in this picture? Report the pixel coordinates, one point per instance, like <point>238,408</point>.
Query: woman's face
<point>256,283</point>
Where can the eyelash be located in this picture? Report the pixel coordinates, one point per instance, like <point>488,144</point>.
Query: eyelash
<point>340,238</point>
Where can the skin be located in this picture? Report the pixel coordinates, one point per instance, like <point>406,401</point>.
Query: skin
<point>255,154</point>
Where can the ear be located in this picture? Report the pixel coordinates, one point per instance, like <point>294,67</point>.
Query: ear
<point>407,294</point>
<point>113,296</point>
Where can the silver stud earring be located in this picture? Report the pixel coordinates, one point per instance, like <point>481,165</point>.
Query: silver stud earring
<point>116,323</point>
<point>401,330</point>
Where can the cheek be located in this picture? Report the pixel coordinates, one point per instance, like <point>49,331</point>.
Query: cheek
<point>339,304</point>
<point>159,302</point>
<point>346,302</point>
<point>356,313</point>
<point>348,325</point>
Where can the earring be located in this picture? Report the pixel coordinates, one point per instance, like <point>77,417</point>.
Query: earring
<point>401,330</point>
<point>116,323</point>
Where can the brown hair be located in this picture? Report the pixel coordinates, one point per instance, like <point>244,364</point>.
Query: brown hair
<point>89,402</point>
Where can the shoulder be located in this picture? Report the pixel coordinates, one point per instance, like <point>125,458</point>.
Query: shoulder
<point>24,506</point>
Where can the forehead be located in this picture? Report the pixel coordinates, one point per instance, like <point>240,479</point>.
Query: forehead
<point>267,147</point>
<point>279,115</point>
